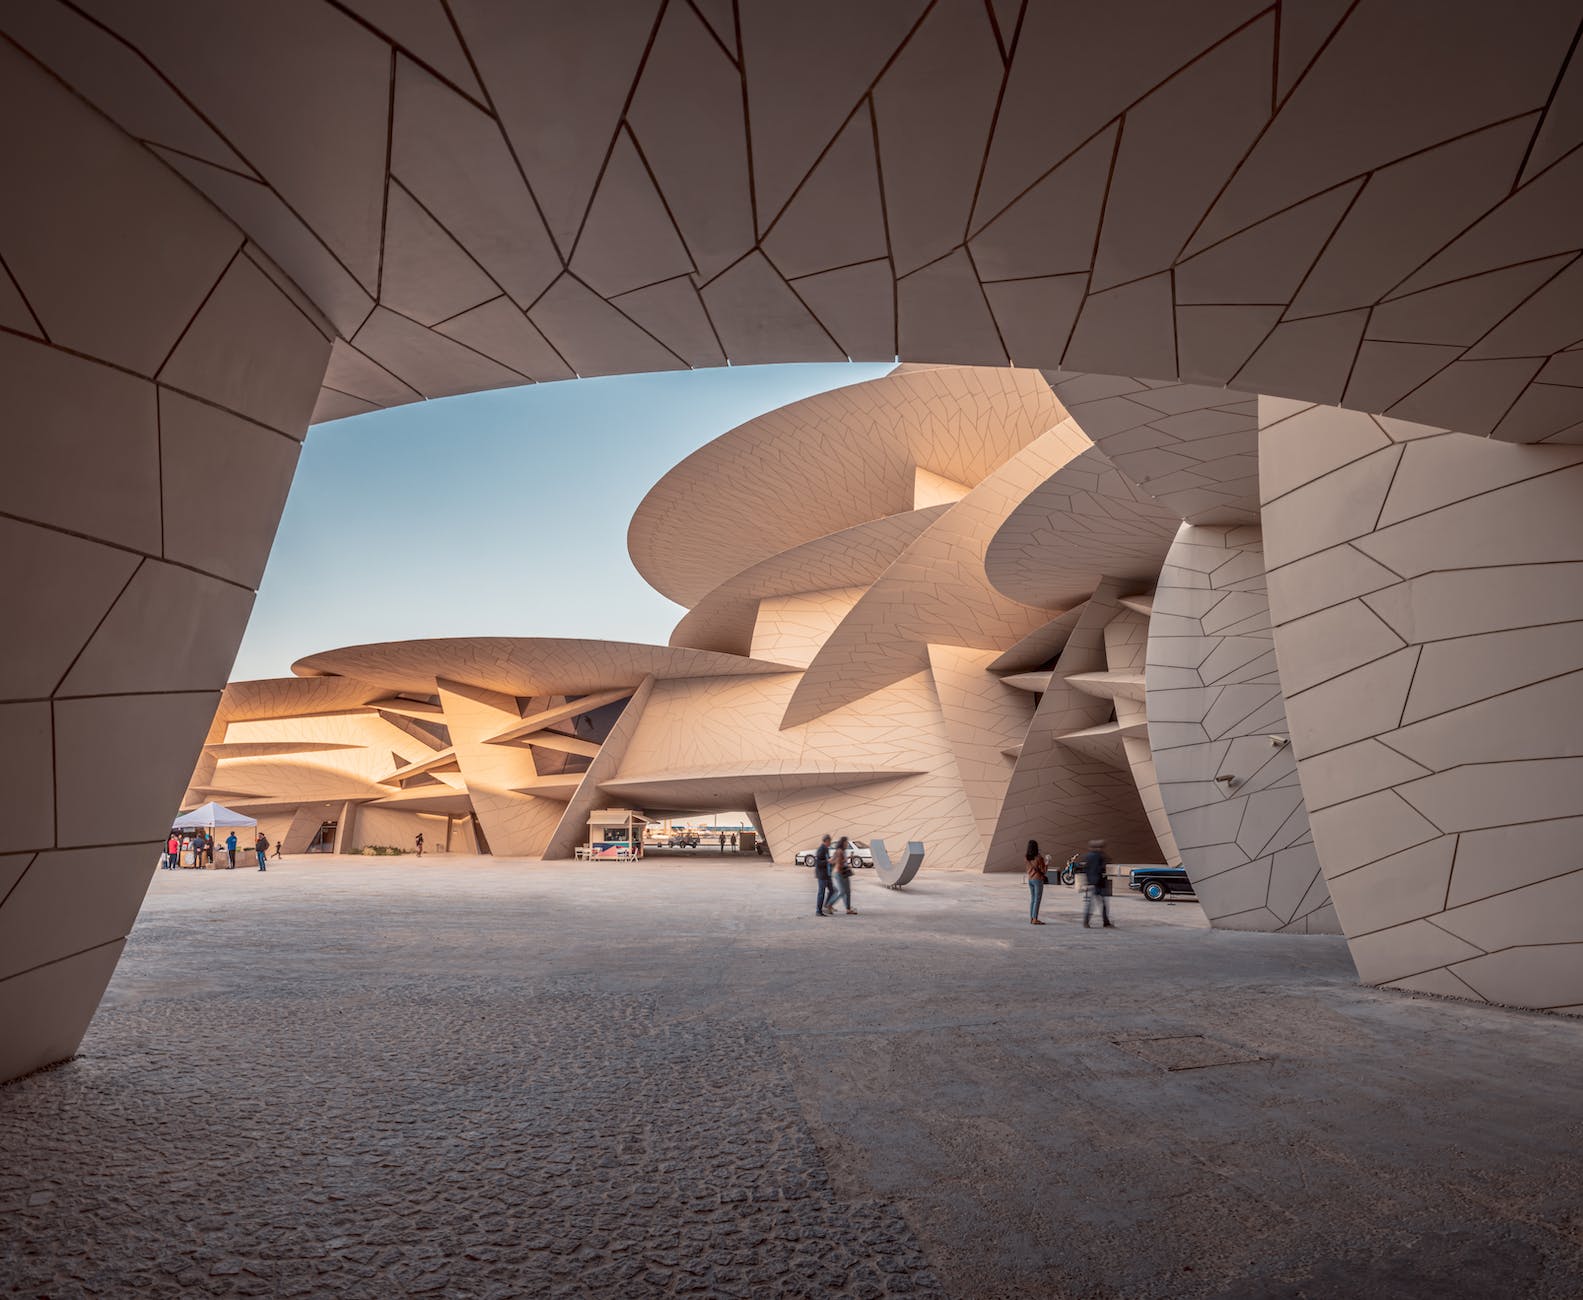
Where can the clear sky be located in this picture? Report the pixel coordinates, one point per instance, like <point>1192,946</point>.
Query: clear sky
<point>496,514</point>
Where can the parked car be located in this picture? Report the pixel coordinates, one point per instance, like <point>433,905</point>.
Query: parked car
<point>1154,883</point>
<point>862,855</point>
<point>682,842</point>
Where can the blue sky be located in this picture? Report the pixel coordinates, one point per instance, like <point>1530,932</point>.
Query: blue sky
<point>499,513</point>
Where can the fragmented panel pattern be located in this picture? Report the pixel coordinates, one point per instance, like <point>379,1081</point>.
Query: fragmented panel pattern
<point>1072,782</point>
<point>1360,204</point>
<point>154,362</point>
<point>1426,590</point>
<point>1218,731</point>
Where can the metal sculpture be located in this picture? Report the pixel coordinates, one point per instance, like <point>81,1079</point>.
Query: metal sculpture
<point>894,876</point>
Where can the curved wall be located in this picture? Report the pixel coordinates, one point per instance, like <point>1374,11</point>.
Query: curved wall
<point>1215,708</point>
<point>886,767</point>
<point>832,462</point>
<point>1427,596</point>
<point>158,378</point>
<point>1072,781</point>
<point>1338,208</point>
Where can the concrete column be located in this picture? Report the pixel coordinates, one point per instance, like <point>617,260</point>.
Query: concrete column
<point>159,375</point>
<point>346,829</point>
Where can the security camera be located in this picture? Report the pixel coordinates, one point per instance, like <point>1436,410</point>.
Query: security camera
<point>1228,777</point>
<point>1279,742</point>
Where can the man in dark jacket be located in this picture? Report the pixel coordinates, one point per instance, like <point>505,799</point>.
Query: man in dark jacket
<point>824,904</point>
<point>1094,883</point>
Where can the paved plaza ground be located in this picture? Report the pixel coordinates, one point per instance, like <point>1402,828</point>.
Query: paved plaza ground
<point>477,1077</point>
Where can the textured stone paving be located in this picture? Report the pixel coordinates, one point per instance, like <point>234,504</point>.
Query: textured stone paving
<point>473,1144</point>
<point>439,1134</point>
<point>353,1078</point>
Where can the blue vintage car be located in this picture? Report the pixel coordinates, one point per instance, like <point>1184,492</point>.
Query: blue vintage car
<point>1156,882</point>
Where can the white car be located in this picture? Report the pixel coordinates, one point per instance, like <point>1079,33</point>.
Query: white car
<point>859,851</point>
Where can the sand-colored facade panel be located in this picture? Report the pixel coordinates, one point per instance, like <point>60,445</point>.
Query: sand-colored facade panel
<point>523,666</point>
<point>936,591</point>
<point>1230,242</point>
<point>1064,791</point>
<point>1228,775</point>
<point>499,777</point>
<point>205,195</point>
<point>1444,773</point>
<point>726,618</point>
<point>858,681</point>
<point>572,827</point>
<point>1084,521</point>
<point>123,628</point>
<point>805,471</point>
<point>791,629</point>
<point>985,719</point>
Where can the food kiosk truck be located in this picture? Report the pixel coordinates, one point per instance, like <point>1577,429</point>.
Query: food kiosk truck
<point>616,833</point>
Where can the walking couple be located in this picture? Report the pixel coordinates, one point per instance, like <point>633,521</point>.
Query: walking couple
<point>832,868</point>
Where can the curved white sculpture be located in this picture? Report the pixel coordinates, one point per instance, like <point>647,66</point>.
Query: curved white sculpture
<point>894,876</point>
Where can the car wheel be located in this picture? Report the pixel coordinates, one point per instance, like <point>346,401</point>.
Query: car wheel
<point>1154,891</point>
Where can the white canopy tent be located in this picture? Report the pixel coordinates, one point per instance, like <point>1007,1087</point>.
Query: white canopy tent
<point>211,815</point>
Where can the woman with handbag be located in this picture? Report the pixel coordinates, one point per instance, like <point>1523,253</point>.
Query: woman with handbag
<point>841,870</point>
<point>1038,877</point>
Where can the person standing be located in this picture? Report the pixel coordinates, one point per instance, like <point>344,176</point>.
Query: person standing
<point>172,852</point>
<point>1038,878</point>
<point>821,873</point>
<point>1094,864</point>
<point>419,842</point>
<point>208,849</point>
<point>230,850</point>
<point>841,874</point>
<point>261,847</point>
